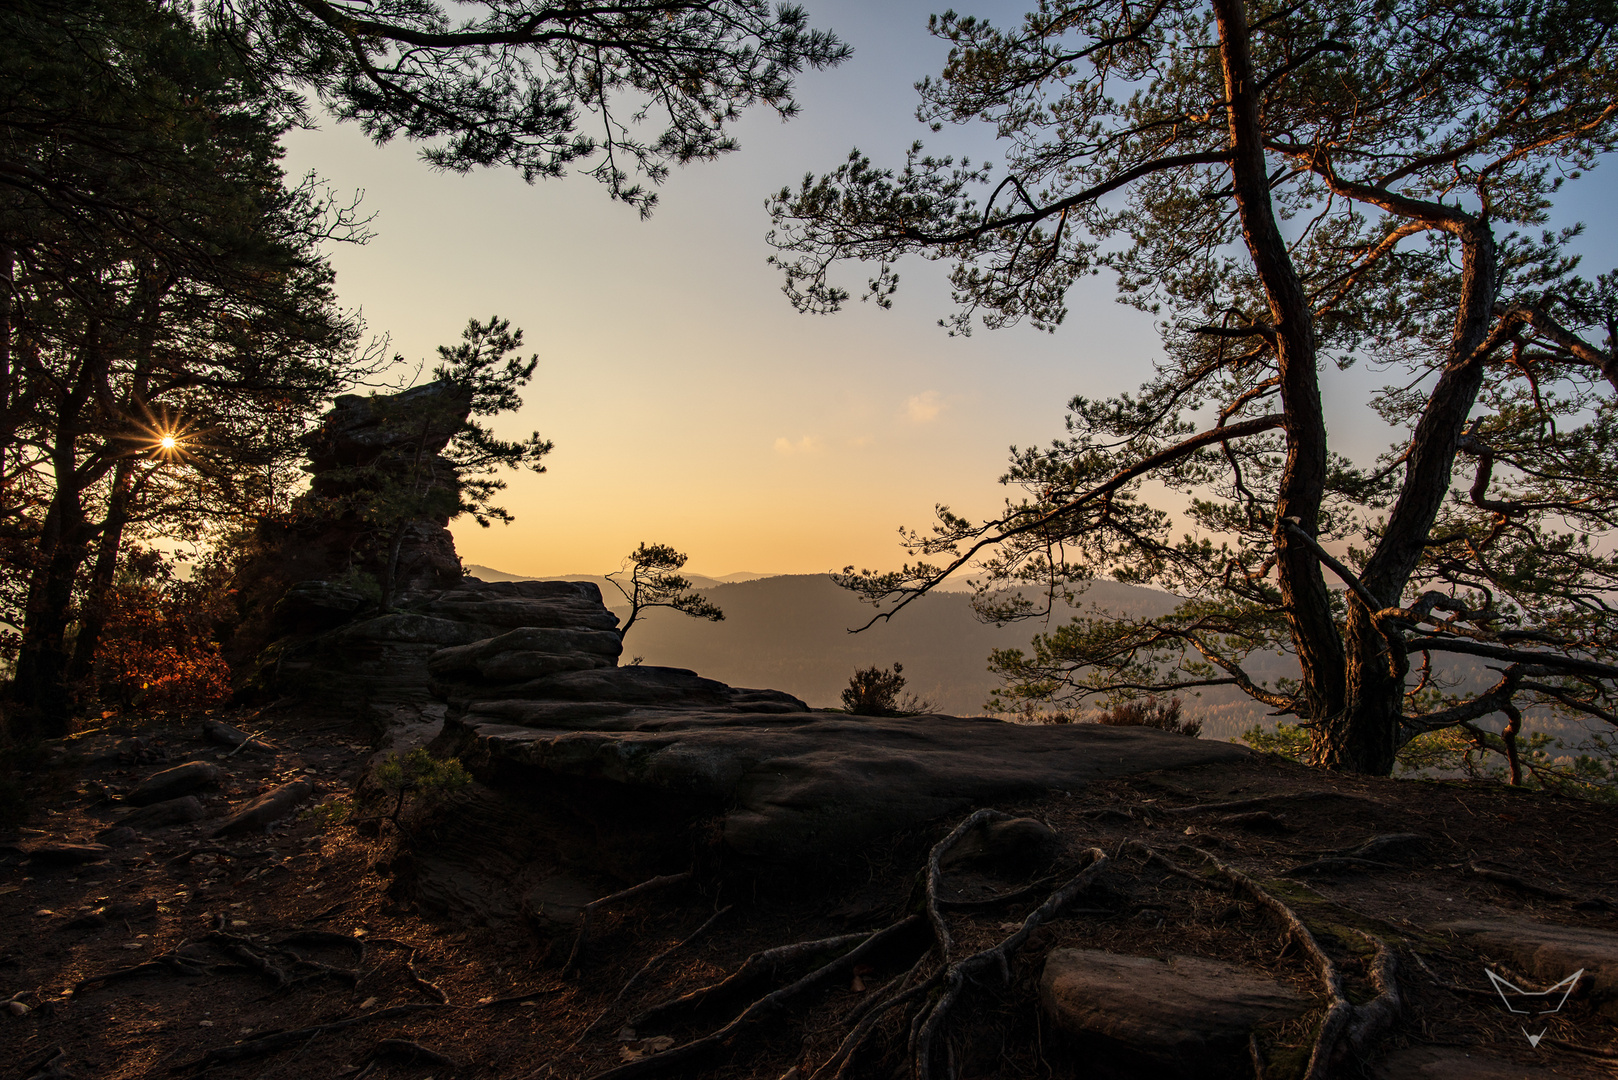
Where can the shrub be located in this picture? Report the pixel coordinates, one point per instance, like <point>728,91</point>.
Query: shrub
<point>1152,713</point>
<point>1287,740</point>
<point>419,776</point>
<point>159,648</point>
<point>874,691</point>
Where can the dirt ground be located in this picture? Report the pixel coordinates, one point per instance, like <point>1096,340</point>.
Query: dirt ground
<point>179,954</point>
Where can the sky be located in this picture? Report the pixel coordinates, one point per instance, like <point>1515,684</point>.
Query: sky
<point>689,403</point>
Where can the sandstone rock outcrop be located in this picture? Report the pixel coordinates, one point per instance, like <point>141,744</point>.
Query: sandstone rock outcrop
<point>521,679</point>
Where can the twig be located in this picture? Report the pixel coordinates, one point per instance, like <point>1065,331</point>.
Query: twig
<point>579,942</point>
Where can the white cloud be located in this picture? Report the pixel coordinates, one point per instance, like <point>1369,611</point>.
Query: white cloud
<point>924,408</point>
<point>806,445</point>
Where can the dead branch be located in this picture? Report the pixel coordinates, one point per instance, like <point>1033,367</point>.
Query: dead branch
<point>574,957</point>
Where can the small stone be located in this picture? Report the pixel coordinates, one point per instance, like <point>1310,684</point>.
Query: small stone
<point>43,912</point>
<point>53,854</point>
<point>17,1008</point>
<point>134,945</point>
<point>1185,1017</point>
<point>172,783</point>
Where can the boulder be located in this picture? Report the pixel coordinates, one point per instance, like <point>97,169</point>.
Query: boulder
<point>1550,953</point>
<point>316,604</point>
<point>175,782</point>
<point>59,854</point>
<point>1181,1017</point>
<point>1017,846</point>
<point>267,809</point>
<point>529,653</point>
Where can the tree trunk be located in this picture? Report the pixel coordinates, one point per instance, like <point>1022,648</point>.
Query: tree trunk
<point>1365,735</point>
<point>8,418</point>
<point>42,661</point>
<point>1302,583</point>
<point>93,613</point>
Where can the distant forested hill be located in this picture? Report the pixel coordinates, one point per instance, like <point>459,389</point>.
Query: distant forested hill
<point>790,633</point>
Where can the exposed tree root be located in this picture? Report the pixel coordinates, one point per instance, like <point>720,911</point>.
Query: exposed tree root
<point>413,1052</point>
<point>1454,988</point>
<point>648,966</point>
<point>763,1007</point>
<point>929,993</point>
<point>1346,1026</point>
<point>758,966</point>
<point>927,1024</point>
<point>1337,864</point>
<point>996,900</point>
<point>577,955</point>
<point>169,963</point>
<point>956,975</point>
<point>416,977</point>
<point>935,873</point>
<point>280,1040</point>
<point>1512,881</point>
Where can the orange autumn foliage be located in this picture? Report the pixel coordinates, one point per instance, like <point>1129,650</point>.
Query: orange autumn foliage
<point>159,652</point>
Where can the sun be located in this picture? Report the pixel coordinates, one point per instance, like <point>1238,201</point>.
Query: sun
<point>168,442</point>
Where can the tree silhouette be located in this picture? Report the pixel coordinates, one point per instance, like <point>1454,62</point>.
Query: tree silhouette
<point>1287,188</point>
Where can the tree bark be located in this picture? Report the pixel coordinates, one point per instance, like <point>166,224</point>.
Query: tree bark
<point>93,611</point>
<point>1302,583</point>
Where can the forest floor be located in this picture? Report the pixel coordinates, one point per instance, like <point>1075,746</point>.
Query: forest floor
<point>289,953</point>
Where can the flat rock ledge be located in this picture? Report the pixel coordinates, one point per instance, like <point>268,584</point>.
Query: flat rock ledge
<point>1182,1017</point>
<point>1550,953</point>
<point>794,785</point>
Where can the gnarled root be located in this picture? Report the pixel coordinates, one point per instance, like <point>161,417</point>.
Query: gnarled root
<point>1346,1026</point>
<point>575,957</point>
